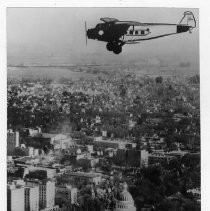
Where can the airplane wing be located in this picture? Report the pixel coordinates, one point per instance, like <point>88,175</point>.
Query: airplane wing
<point>109,20</point>
<point>117,22</point>
<point>129,23</point>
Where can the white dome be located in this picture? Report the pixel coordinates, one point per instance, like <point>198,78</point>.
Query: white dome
<point>125,196</point>
<point>124,201</point>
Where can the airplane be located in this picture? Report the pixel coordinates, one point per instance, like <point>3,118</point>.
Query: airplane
<point>118,33</point>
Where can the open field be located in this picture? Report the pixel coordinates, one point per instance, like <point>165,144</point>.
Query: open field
<point>90,71</point>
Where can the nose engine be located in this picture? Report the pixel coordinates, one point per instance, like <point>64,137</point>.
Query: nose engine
<point>91,34</point>
<point>96,33</point>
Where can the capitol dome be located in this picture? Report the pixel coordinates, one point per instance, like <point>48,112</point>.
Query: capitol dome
<point>124,201</point>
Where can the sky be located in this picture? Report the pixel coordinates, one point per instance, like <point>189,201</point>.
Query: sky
<point>57,36</point>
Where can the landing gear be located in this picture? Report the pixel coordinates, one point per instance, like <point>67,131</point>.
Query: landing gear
<point>109,46</point>
<point>115,47</point>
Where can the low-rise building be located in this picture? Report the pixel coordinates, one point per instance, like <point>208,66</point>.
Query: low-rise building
<point>54,208</point>
<point>109,143</point>
<point>177,153</point>
<point>26,160</point>
<point>48,139</point>
<point>51,172</point>
<point>88,162</point>
<point>78,178</point>
<point>159,158</point>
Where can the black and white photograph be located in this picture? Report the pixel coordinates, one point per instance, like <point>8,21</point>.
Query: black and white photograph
<point>103,109</point>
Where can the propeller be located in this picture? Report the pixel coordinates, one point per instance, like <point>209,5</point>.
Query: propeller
<point>86,32</point>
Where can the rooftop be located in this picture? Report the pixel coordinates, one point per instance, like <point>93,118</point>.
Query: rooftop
<point>85,174</point>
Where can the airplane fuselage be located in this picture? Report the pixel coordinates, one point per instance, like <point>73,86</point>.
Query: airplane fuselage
<point>152,31</point>
<point>141,32</point>
<point>117,33</point>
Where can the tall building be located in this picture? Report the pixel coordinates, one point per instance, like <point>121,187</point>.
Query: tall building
<point>12,141</point>
<point>31,198</point>
<point>46,192</point>
<point>130,157</point>
<point>67,193</point>
<point>15,197</point>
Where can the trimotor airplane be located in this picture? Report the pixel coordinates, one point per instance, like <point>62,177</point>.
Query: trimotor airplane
<point>118,33</point>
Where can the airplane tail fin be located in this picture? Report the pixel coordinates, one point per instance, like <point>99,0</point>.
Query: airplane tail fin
<point>188,19</point>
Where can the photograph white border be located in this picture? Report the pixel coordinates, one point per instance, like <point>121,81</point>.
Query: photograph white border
<point>204,34</point>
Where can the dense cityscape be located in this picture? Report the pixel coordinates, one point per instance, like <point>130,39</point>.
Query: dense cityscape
<point>117,141</point>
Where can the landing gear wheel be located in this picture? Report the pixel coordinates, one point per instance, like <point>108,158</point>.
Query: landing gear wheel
<point>117,49</point>
<point>109,46</point>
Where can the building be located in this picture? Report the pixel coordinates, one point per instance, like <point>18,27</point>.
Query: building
<point>54,208</point>
<point>178,153</point>
<point>30,151</point>
<point>88,162</point>
<point>31,198</point>
<point>196,192</point>
<point>79,178</point>
<point>57,140</point>
<point>104,133</point>
<point>90,148</point>
<point>50,172</point>
<point>97,120</point>
<point>147,208</point>
<point>68,193</point>
<point>13,139</point>
<point>15,197</point>
<point>9,159</point>
<point>130,158</point>
<point>144,158</point>
<point>159,158</point>
<point>109,143</point>
<point>46,192</point>
<point>26,160</point>
<point>19,182</point>
<point>31,131</point>
<point>124,201</point>
<point>110,152</point>
<point>68,168</point>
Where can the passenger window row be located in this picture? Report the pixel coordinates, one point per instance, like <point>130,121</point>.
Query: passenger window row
<point>138,32</point>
